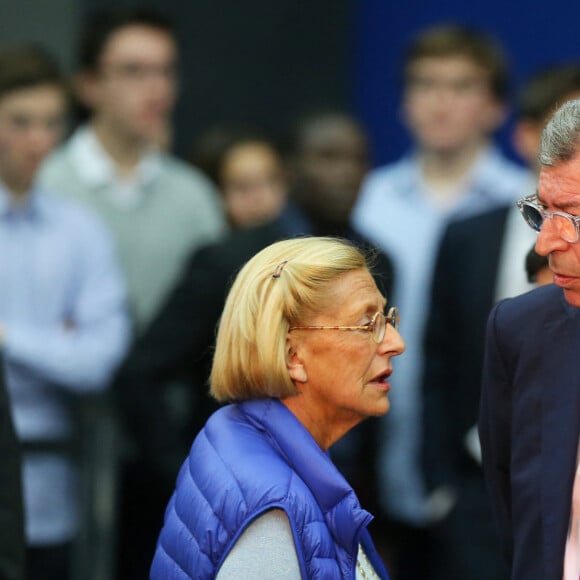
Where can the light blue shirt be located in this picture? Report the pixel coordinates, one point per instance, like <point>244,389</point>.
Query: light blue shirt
<point>395,213</point>
<point>62,307</point>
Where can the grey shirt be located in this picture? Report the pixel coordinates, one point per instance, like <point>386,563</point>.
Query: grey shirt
<point>266,550</point>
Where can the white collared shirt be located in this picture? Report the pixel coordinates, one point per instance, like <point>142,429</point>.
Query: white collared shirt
<point>519,238</point>
<point>97,170</point>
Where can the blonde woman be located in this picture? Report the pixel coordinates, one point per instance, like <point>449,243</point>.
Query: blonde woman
<point>304,353</point>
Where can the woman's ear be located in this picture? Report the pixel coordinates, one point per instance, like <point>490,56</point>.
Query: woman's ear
<point>294,364</point>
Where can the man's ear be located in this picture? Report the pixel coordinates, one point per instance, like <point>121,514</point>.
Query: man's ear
<point>294,364</point>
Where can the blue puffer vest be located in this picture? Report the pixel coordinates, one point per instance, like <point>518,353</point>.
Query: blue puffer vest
<point>257,456</point>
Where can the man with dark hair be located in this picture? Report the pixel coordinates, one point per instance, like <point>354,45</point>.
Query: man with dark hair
<point>529,422</point>
<point>103,26</point>
<point>11,514</point>
<point>63,325</point>
<point>446,42</point>
<point>158,208</point>
<point>455,81</point>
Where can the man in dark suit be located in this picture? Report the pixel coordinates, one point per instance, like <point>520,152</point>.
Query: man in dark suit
<point>11,511</point>
<point>327,160</point>
<point>480,261</point>
<point>530,407</point>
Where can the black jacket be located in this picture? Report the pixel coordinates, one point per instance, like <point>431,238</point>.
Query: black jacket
<point>463,293</point>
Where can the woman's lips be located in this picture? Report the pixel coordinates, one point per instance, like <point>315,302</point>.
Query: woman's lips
<point>381,381</point>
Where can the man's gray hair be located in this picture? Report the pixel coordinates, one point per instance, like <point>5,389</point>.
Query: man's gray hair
<point>561,136</point>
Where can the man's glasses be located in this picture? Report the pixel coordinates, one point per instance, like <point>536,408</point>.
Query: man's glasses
<point>377,326</point>
<point>566,225</point>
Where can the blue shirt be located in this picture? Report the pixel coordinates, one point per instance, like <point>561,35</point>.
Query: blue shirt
<point>62,308</point>
<point>395,213</point>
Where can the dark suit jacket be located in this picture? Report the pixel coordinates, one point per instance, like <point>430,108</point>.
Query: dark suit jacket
<point>530,425</point>
<point>463,294</point>
<point>11,515</point>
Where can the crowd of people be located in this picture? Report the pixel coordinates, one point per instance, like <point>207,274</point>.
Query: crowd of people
<point>119,262</point>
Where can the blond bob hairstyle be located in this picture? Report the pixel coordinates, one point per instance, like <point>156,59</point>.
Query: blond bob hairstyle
<point>279,287</point>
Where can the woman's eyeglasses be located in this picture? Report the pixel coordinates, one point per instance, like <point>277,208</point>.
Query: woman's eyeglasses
<point>565,224</point>
<point>377,326</point>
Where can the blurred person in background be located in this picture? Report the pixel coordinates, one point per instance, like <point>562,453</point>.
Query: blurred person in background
<point>454,99</point>
<point>12,544</point>
<point>159,208</point>
<point>248,170</point>
<point>479,262</point>
<point>327,157</point>
<point>304,352</point>
<point>63,323</point>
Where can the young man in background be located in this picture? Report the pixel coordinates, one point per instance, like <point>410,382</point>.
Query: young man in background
<point>63,323</point>
<point>455,88</point>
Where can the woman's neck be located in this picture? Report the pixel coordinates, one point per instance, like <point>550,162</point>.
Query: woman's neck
<point>326,428</point>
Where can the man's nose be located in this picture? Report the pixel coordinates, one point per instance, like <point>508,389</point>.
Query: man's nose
<point>549,240</point>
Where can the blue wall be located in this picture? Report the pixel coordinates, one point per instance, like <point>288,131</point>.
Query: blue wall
<point>534,33</point>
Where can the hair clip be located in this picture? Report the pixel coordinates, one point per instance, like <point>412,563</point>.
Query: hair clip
<point>279,268</point>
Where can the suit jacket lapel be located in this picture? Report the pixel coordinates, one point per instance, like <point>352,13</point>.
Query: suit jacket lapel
<point>560,384</point>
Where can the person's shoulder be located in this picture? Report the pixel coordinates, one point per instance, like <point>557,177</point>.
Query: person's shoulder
<point>506,176</point>
<point>511,169</point>
<point>59,174</point>
<point>488,221</point>
<point>57,164</point>
<point>75,216</point>
<point>223,446</point>
<point>383,188</point>
<point>519,323</point>
<point>236,248</point>
<point>532,307</point>
<point>389,175</point>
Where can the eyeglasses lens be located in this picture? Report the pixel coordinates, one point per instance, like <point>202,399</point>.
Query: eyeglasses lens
<point>379,327</point>
<point>533,217</point>
<point>565,227</point>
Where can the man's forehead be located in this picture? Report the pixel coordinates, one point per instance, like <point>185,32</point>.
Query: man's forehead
<point>561,181</point>
<point>138,40</point>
